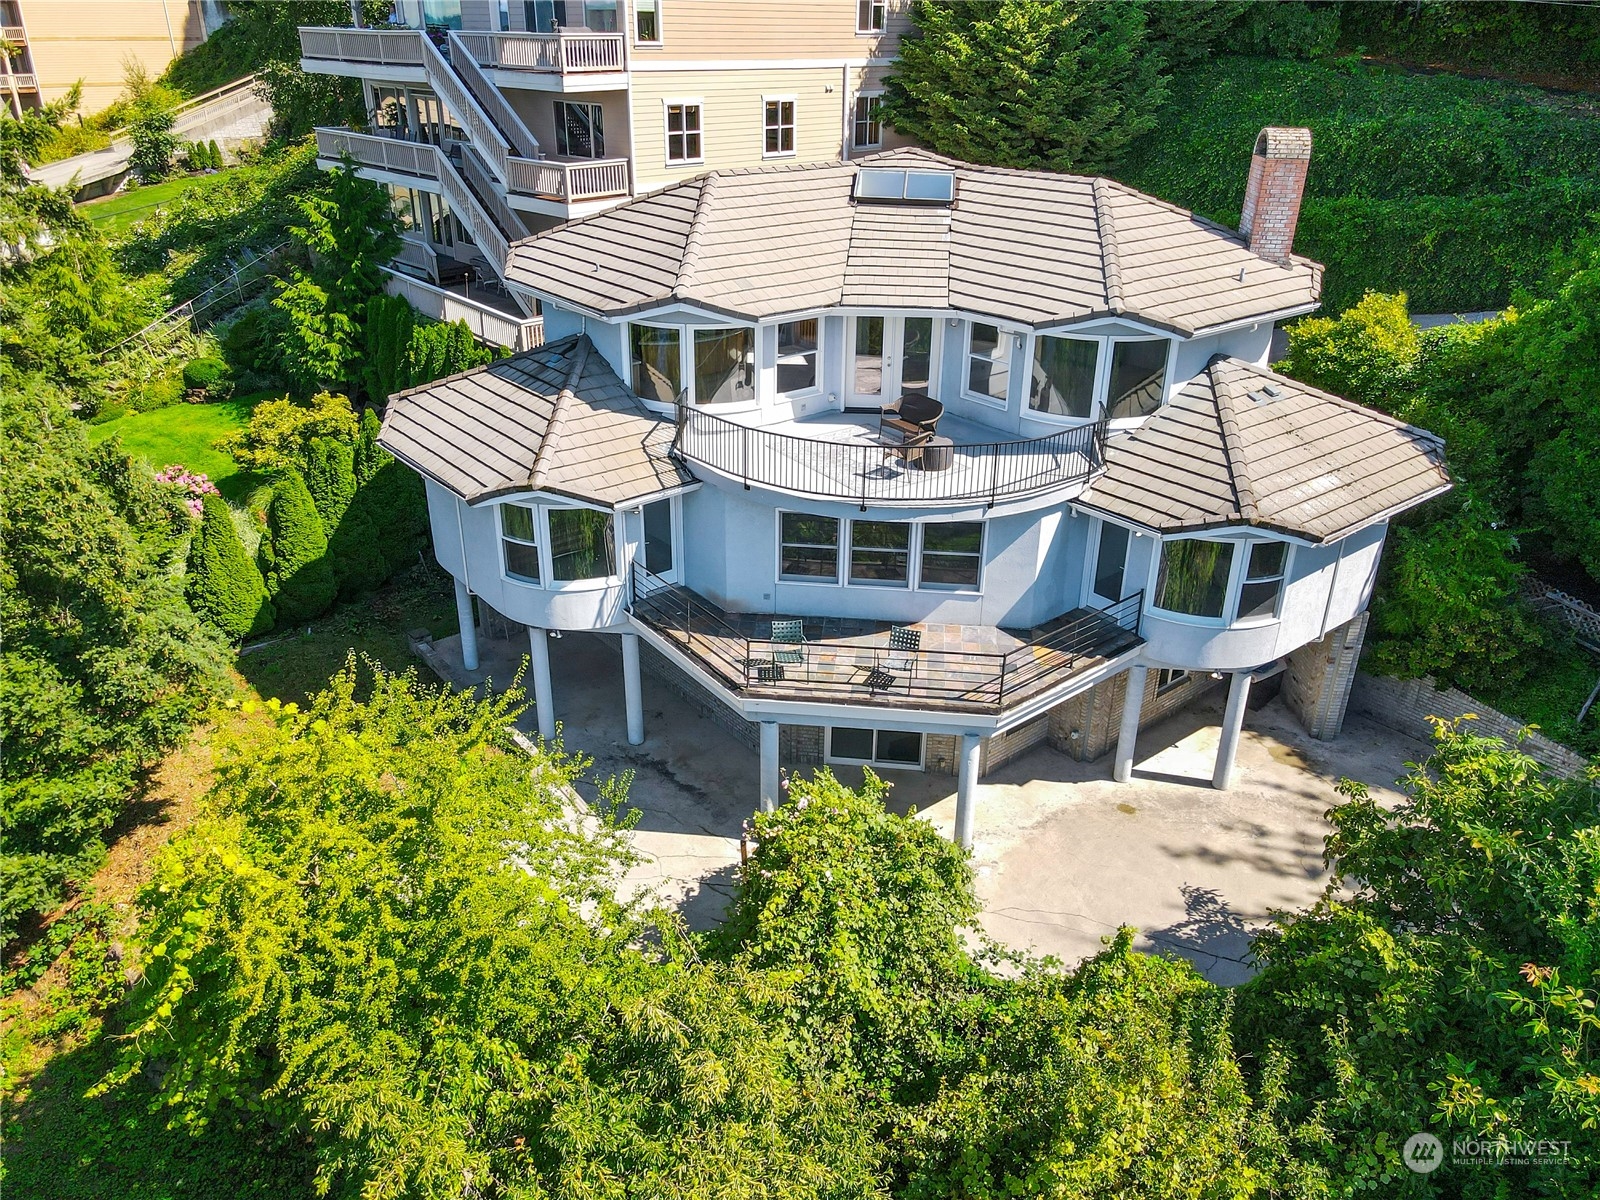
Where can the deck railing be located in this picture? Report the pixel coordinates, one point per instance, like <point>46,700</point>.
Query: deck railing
<point>869,472</point>
<point>563,53</point>
<point>487,322</point>
<point>383,47</point>
<point>866,669</point>
<point>569,181</point>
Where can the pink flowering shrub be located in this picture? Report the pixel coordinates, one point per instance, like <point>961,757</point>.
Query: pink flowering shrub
<point>192,484</point>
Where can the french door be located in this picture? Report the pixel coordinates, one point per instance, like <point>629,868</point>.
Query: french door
<point>889,356</point>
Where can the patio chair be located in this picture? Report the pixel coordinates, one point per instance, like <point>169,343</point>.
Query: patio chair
<point>789,644</point>
<point>909,424</point>
<point>905,650</point>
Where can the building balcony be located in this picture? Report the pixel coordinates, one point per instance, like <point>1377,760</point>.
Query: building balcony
<point>571,181</point>
<point>492,315</point>
<point>395,54</point>
<point>954,668</point>
<point>13,35</point>
<point>533,58</point>
<point>840,456</point>
<point>23,81</point>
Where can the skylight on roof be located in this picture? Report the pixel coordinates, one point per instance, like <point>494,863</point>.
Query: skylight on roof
<point>880,185</point>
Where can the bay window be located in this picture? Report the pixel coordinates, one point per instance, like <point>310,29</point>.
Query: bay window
<point>1193,578</point>
<point>581,544</point>
<point>657,356</point>
<point>1064,371</point>
<point>1078,376</point>
<point>519,541</point>
<point>988,361</point>
<point>952,556</point>
<point>808,548</point>
<point>1138,378</point>
<point>1263,579</point>
<point>724,366</point>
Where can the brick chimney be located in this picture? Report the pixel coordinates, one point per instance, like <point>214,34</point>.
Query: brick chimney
<point>1272,197</point>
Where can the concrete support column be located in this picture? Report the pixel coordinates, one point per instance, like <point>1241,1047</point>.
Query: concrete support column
<point>769,765</point>
<point>967,787</point>
<point>633,688</point>
<point>544,705</point>
<point>1128,732</point>
<point>469,627</point>
<point>1232,723</point>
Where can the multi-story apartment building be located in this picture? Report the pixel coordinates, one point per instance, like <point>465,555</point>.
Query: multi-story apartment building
<point>54,44</point>
<point>493,119</point>
<point>913,463</point>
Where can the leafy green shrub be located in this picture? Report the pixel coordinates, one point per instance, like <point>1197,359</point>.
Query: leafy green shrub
<point>150,130</point>
<point>208,375</point>
<point>1368,353</point>
<point>294,553</point>
<point>386,347</point>
<point>249,346</point>
<point>214,155</point>
<point>161,390</point>
<point>280,431</point>
<point>330,476</point>
<point>442,348</point>
<point>224,587</point>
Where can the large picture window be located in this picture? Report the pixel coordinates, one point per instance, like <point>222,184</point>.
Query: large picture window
<point>1138,378</point>
<point>724,366</point>
<point>657,363</point>
<point>988,362</point>
<point>952,556</point>
<point>1263,579</point>
<point>1064,371</point>
<point>581,545</point>
<point>880,553</point>
<point>519,542</point>
<point>797,356</point>
<point>1193,578</point>
<point>580,130</point>
<point>809,548</point>
<point>683,133</point>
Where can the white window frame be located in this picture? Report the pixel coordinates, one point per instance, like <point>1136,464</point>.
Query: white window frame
<point>547,575</point>
<point>914,550</point>
<point>919,541</point>
<point>675,508</point>
<point>1176,677</point>
<point>537,543</point>
<point>841,550</point>
<point>557,106</point>
<point>911,552</point>
<point>1006,345</point>
<point>686,103</point>
<point>1092,598</point>
<point>855,121</point>
<point>661,24</point>
<point>1230,618</point>
<point>1282,579</point>
<point>1102,375</point>
<point>875,762</point>
<point>876,10</point>
<point>686,361</point>
<point>777,345</point>
<point>793,126</point>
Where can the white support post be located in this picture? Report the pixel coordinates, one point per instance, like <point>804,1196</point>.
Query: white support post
<point>967,787</point>
<point>632,688</point>
<point>544,708</point>
<point>1232,724</point>
<point>469,627</point>
<point>1128,733</point>
<point>769,766</point>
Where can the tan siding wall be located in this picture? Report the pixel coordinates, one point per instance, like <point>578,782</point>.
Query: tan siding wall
<point>89,39</point>
<point>699,30</point>
<point>731,118</point>
<point>537,110</point>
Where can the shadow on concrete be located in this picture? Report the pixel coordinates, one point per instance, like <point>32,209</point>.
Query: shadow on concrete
<point>705,907</point>
<point>1211,935</point>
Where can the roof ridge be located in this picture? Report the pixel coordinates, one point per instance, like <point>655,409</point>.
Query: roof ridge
<point>691,243</point>
<point>1110,262</point>
<point>1319,393</point>
<point>565,399</point>
<point>1233,445</point>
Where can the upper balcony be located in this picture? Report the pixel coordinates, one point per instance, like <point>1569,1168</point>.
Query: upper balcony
<point>575,59</point>
<point>842,456</point>
<point>13,35</point>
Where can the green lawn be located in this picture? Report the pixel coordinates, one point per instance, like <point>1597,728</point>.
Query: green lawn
<point>115,215</point>
<point>186,433</point>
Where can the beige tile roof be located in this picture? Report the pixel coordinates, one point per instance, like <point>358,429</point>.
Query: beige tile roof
<point>1025,246</point>
<point>1227,451</point>
<point>556,419</point>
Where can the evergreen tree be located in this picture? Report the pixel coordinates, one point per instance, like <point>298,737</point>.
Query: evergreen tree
<point>224,586</point>
<point>442,348</point>
<point>295,553</point>
<point>1058,85</point>
<point>330,477</point>
<point>214,154</point>
<point>386,345</point>
<point>369,455</point>
<point>356,549</point>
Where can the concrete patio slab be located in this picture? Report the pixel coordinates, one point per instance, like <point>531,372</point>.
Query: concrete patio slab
<point>1063,855</point>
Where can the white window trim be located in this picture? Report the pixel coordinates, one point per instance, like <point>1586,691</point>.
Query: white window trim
<point>874,762</point>
<point>1230,618</point>
<point>666,134</point>
<point>944,589</point>
<point>661,26</point>
<point>1092,598</point>
<point>841,550</point>
<point>590,104</point>
<point>548,581</point>
<point>914,550</point>
<point>1009,339</point>
<point>1276,615</point>
<point>860,96</point>
<point>686,363</point>
<point>794,127</point>
<point>635,552</point>
<point>1177,677</point>
<point>765,390</point>
<point>537,544</point>
<point>876,4</point>
<point>1102,376</point>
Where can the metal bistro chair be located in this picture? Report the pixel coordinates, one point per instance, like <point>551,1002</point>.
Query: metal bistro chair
<point>789,645</point>
<point>905,648</point>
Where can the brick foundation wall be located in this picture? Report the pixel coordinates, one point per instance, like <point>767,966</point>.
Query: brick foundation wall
<point>801,745</point>
<point>685,685</point>
<point>1013,744</point>
<point>1405,705</point>
<point>1096,715</point>
<point>1318,677</point>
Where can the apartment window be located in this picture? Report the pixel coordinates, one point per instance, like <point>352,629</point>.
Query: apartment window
<point>1111,562</point>
<point>390,117</point>
<point>657,363</point>
<point>900,748</point>
<point>1138,377</point>
<point>441,14</point>
<point>1168,678</point>
<point>868,125</point>
<point>797,357</point>
<point>779,127</point>
<point>988,361</point>
<point>952,556</point>
<point>581,545</point>
<point>407,209</point>
<point>580,130</point>
<point>503,14</point>
<point>1263,579</point>
<point>870,15</point>
<point>724,366</point>
<point>540,15</point>
<point>599,16</point>
<point>808,548</point>
<point>1193,578</point>
<point>683,133</point>
<point>519,542</point>
<point>1063,379</point>
<point>647,22</point>
<point>880,553</point>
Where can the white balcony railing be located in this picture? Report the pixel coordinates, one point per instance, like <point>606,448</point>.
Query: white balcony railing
<point>14,35</point>
<point>388,154</point>
<point>23,81</point>
<point>385,48</point>
<point>569,181</point>
<point>488,323</point>
<point>562,53</point>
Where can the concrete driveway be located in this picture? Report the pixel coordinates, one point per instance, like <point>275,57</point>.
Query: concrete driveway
<point>1063,855</point>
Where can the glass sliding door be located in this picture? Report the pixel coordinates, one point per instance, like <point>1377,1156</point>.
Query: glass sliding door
<point>866,362</point>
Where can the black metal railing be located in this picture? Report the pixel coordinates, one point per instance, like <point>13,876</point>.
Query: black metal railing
<point>869,473</point>
<point>858,665</point>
